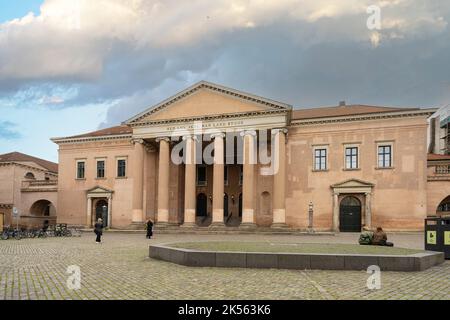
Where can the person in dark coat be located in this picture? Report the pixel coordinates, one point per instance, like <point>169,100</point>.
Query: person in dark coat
<point>98,229</point>
<point>149,228</point>
<point>380,238</point>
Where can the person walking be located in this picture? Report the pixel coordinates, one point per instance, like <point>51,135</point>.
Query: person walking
<point>98,229</point>
<point>149,228</point>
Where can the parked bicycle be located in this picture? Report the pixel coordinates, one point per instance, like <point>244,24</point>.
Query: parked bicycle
<point>11,233</point>
<point>58,230</point>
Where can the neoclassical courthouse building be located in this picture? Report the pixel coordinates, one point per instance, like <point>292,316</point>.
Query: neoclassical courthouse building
<point>350,165</point>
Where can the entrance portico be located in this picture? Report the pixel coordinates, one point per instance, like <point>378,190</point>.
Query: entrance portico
<point>99,198</point>
<point>225,137</point>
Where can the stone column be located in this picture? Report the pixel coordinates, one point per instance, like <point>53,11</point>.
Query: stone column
<point>138,178</point>
<point>218,180</point>
<point>335,212</point>
<point>163,181</point>
<point>279,179</point>
<point>89,213</point>
<point>368,218</point>
<point>189,182</point>
<point>110,212</point>
<point>248,196</point>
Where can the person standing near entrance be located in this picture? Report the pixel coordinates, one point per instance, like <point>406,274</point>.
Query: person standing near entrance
<point>98,229</point>
<point>149,228</point>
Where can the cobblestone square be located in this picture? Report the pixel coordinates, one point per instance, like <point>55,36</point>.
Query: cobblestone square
<point>119,268</point>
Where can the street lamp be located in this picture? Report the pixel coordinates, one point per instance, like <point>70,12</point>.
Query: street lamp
<point>310,214</point>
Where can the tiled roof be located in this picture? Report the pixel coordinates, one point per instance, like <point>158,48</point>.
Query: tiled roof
<point>346,110</point>
<point>117,130</point>
<point>434,156</point>
<point>21,157</point>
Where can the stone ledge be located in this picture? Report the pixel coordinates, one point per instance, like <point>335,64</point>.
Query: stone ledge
<point>297,261</point>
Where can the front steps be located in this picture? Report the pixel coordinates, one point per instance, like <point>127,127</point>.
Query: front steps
<point>175,229</point>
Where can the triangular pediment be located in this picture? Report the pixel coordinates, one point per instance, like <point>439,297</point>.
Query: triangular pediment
<point>99,189</point>
<point>206,99</point>
<point>352,183</point>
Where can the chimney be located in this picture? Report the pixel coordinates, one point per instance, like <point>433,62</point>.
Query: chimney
<point>342,103</point>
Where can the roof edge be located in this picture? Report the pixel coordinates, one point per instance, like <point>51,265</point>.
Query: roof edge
<point>197,86</point>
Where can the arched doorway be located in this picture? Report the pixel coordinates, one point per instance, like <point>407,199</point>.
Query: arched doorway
<point>240,205</point>
<point>201,205</point>
<point>444,207</point>
<point>350,215</point>
<point>101,211</point>
<point>42,208</point>
<point>225,205</point>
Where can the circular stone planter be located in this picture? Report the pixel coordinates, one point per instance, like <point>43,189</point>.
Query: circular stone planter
<point>299,261</point>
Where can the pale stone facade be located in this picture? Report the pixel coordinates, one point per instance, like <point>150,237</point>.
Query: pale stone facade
<point>30,185</point>
<point>351,165</point>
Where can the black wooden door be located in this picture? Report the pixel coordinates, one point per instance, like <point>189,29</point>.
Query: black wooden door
<point>350,215</point>
<point>201,205</point>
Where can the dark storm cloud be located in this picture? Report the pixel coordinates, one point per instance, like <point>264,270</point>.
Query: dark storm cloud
<point>314,54</point>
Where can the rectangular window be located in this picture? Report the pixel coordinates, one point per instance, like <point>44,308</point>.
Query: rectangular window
<point>201,175</point>
<point>80,169</point>
<point>241,175</point>
<point>121,168</point>
<point>100,168</point>
<point>320,159</point>
<point>225,174</point>
<point>385,156</point>
<point>351,157</point>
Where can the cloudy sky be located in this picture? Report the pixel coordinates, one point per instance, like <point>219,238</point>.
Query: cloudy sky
<point>72,66</point>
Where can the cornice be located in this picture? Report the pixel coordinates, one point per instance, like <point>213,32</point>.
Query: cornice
<point>6,205</point>
<point>91,139</point>
<point>207,118</point>
<point>10,163</point>
<point>372,116</point>
<point>213,87</point>
<point>439,178</point>
<point>52,189</point>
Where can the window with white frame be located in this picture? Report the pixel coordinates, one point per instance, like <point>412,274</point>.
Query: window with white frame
<point>81,168</point>
<point>351,157</point>
<point>320,159</point>
<point>121,168</point>
<point>100,168</point>
<point>384,156</point>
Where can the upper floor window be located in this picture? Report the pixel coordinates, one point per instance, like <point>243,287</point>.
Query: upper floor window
<point>351,157</point>
<point>201,175</point>
<point>100,168</point>
<point>384,156</point>
<point>320,159</point>
<point>81,167</point>
<point>225,174</point>
<point>241,175</point>
<point>121,168</point>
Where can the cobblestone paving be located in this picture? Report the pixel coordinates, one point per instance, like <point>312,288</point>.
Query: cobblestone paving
<point>119,268</point>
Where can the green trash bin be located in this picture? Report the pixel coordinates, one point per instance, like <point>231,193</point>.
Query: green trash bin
<point>437,235</point>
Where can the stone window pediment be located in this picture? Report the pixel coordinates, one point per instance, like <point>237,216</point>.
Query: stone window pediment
<point>99,191</point>
<point>353,186</point>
